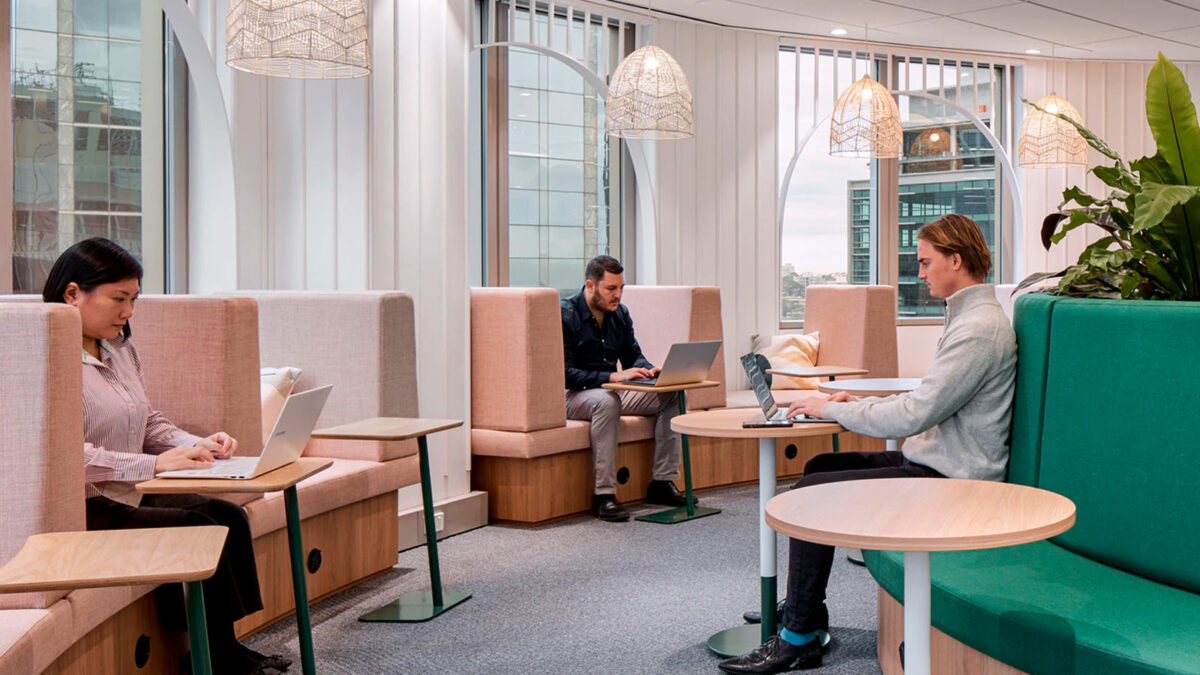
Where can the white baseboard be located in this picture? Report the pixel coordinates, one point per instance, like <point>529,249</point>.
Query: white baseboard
<point>459,514</point>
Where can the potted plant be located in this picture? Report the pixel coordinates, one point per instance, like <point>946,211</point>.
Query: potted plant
<point>1151,215</point>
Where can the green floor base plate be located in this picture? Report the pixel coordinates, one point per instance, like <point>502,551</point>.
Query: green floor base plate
<point>677,515</point>
<point>414,607</point>
<point>855,556</point>
<point>741,640</point>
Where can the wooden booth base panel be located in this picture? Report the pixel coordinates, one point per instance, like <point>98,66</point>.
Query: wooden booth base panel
<point>947,655</point>
<point>545,489</point>
<point>132,641</point>
<point>342,547</point>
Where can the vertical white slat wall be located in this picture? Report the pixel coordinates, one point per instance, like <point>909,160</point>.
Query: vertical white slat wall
<point>362,184</point>
<point>717,190</point>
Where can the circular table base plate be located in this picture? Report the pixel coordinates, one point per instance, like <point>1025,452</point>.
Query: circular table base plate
<point>741,640</point>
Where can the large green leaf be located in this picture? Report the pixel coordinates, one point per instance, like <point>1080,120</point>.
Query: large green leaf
<point>1172,119</point>
<point>1157,200</point>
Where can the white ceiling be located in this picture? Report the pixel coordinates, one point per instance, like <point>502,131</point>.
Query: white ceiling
<point>1079,29</point>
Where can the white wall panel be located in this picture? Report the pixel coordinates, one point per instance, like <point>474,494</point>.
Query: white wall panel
<point>363,184</point>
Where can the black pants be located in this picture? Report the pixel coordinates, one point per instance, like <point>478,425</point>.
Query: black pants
<point>230,593</point>
<point>809,564</point>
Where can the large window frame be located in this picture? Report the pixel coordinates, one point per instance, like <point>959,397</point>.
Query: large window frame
<point>152,166</point>
<point>883,188</point>
<point>503,21</point>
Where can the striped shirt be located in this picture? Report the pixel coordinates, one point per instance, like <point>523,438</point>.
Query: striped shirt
<point>122,433</point>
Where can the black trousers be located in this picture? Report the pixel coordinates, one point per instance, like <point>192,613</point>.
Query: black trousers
<point>809,564</point>
<point>230,593</point>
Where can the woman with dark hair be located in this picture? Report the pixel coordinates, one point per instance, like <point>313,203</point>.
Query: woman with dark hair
<point>127,441</point>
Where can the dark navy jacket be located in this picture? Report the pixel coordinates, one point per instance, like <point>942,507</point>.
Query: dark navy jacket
<point>590,351</point>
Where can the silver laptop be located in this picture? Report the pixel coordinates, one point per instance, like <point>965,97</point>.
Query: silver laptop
<point>687,362</point>
<point>284,445</point>
<point>772,415</point>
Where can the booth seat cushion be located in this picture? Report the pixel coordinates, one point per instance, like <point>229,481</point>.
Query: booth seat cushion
<point>346,482</point>
<point>16,643</point>
<point>746,398</point>
<point>573,436</point>
<point>1045,610</point>
<point>372,451</point>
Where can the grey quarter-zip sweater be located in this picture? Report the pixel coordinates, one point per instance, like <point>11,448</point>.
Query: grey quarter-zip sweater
<point>958,420</point>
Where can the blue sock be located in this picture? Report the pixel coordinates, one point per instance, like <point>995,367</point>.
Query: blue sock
<point>796,639</point>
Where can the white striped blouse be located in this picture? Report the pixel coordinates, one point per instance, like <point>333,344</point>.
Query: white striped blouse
<point>122,431</point>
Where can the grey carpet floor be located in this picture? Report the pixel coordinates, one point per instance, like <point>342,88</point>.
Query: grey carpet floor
<point>581,596</point>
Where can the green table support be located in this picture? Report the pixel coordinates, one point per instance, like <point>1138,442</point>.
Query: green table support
<point>417,606</point>
<point>193,593</point>
<point>689,511</point>
<point>299,584</point>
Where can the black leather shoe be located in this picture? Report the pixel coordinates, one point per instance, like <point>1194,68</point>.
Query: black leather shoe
<point>755,616</point>
<point>606,507</point>
<point>664,492</point>
<point>776,655</point>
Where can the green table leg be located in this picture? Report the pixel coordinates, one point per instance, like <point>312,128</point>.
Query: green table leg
<point>299,584</point>
<point>689,511</point>
<point>421,605</point>
<point>193,593</point>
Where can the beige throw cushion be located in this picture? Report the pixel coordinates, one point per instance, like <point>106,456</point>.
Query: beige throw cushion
<point>275,385</point>
<point>793,351</point>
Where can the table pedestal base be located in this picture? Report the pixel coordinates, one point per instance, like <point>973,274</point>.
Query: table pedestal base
<point>678,514</point>
<point>414,607</point>
<point>741,640</point>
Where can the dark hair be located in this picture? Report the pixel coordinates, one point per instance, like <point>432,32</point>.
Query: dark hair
<point>597,266</point>
<point>90,263</point>
<point>952,234</point>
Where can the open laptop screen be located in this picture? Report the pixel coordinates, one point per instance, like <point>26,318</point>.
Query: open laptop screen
<point>758,383</point>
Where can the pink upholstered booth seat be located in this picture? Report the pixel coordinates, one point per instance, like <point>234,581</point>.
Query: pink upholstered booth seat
<point>41,450</point>
<point>858,329</point>
<point>665,315</point>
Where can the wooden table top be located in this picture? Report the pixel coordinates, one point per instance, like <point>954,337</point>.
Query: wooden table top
<point>655,389</point>
<point>67,560</point>
<point>727,423</point>
<point>875,386</point>
<point>920,514</point>
<point>387,428</point>
<point>817,371</point>
<point>283,477</point>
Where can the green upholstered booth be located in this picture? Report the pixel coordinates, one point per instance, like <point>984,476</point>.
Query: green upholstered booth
<point>1108,414</point>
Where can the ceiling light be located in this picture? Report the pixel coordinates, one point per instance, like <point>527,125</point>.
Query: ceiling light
<point>1033,51</point>
<point>838,31</point>
<point>865,122</point>
<point>649,97</point>
<point>1048,141</point>
<point>309,39</point>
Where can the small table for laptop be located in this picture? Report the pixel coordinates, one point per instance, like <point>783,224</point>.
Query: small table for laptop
<point>415,606</point>
<point>98,558</point>
<point>284,478</point>
<point>689,511</point>
<point>916,516</point>
<point>832,372</point>
<point>727,423</point>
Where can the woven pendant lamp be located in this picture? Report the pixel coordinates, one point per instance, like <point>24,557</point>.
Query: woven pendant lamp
<point>1047,141</point>
<point>865,122</point>
<point>649,97</point>
<point>306,39</point>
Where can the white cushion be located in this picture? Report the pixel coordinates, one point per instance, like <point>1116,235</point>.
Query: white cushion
<point>275,385</point>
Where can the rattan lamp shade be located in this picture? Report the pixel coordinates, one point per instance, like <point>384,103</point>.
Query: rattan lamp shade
<point>865,122</point>
<point>307,39</point>
<point>1047,141</point>
<point>649,97</point>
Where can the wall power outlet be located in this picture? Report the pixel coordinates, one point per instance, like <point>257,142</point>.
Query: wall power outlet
<point>439,521</point>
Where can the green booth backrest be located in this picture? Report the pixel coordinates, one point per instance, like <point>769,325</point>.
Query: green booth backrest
<point>1119,425</point>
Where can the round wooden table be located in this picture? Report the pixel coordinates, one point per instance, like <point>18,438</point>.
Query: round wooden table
<point>727,423</point>
<point>916,516</point>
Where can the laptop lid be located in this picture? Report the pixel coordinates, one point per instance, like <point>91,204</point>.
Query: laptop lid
<point>688,362</point>
<point>758,383</point>
<point>292,429</point>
